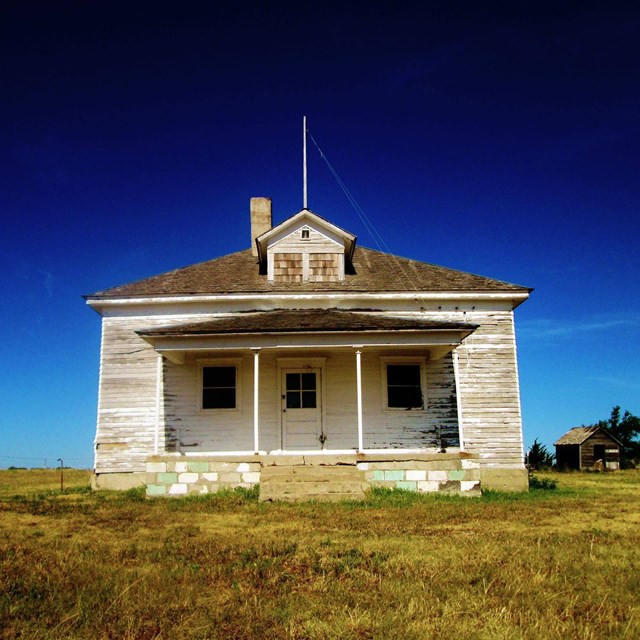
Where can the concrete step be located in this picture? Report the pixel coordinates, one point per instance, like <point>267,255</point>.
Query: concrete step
<point>298,483</point>
<point>308,497</point>
<point>314,487</point>
<point>303,470</point>
<point>310,477</point>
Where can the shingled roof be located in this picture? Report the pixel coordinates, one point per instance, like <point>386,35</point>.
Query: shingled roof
<point>305,321</point>
<point>373,271</point>
<point>578,435</point>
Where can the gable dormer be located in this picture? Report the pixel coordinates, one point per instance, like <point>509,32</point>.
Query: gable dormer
<point>305,248</point>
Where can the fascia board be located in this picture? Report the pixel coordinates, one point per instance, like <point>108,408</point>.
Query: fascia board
<point>423,339</point>
<point>324,295</point>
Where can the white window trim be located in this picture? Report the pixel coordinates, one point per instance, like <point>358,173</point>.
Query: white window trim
<point>417,360</point>
<point>219,362</point>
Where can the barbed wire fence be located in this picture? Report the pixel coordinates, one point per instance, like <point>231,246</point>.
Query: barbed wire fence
<point>49,462</point>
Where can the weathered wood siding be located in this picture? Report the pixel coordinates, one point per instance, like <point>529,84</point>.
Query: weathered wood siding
<point>189,429</point>
<point>317,242</point>
<point>489,386</point>
<point>587,450</point>
<point>287,267</point>
<point>127,397</point>
<point>382,428</point>
<point>488,392</point>
<point>324,267</point>
<point>316,259</point>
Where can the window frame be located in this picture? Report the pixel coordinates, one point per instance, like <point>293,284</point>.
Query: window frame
<point>400,361</point>
<point>221,362</point>
<point>301,390</point>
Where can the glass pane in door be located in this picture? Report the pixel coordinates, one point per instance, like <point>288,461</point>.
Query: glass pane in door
<point>301,390</point>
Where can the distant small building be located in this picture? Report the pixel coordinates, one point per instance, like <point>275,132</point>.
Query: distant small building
<point>588,448</point>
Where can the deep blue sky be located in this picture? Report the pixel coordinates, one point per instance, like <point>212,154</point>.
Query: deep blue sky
<point>488,137</point>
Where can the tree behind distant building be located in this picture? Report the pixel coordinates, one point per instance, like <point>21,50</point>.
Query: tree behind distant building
<point>626,429</point>
<point>538,456</point>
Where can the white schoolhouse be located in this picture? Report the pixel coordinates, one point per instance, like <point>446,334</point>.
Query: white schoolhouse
<point>312,366</point>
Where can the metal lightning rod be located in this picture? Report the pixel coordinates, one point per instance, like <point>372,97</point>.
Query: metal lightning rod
<point>304,162</point>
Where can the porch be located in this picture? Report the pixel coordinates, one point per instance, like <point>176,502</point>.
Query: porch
<point>319,476</point>
<point>308,403</point>
<point>307,380</point>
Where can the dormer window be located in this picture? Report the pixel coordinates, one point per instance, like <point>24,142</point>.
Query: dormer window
<point>304,248</point>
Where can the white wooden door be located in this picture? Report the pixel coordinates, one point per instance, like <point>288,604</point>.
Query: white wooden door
<point>301,409</point>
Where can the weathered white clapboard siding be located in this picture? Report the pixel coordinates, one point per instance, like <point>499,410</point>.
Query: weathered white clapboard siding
<point>126,424</point>
<point>190,429</point>
<point>318,243</point>
<point>489,388</point>
<point>126,409</point>
<point>187,428</point>
<point>387,428</point>
<point>488,391</point>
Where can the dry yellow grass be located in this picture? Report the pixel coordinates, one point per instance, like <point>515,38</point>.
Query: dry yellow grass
<point>33,481</point>
<point>550,564</point>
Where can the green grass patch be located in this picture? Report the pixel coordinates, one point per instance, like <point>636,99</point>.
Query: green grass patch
<point>546,484</point>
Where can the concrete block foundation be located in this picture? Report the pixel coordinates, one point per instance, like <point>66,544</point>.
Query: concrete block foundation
<point>314,477</point>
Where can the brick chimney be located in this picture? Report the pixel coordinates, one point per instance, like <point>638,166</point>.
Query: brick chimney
<point>260,220</point>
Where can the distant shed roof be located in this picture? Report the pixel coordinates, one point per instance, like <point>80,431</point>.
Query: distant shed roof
<point>373,271</point>
<point>578,435</point>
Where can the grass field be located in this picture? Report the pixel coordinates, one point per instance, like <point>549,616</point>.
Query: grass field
<point>548,564</point>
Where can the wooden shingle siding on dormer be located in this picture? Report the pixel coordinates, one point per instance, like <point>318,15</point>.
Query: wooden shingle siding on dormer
<point>287,267</point>
<point>309,257</point>
<point>307,267</point>
<point>324,267</point>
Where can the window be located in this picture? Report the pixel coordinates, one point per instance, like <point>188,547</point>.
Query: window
<point>404,386</point>
<point>304,234</point>
<point>301,390</point>
<point>219,386</point>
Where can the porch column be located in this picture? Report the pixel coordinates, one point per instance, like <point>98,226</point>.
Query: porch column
<point>156,439</point>
<point>359,388</point>
<point>256,398</point>
<point>456,376</point>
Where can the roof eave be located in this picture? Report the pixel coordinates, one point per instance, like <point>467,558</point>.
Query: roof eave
<point>146,333</point>
<point>518,296</point>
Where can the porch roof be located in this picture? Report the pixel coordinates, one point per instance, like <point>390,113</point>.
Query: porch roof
<point>305,328</point>
<point>305,321</point>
